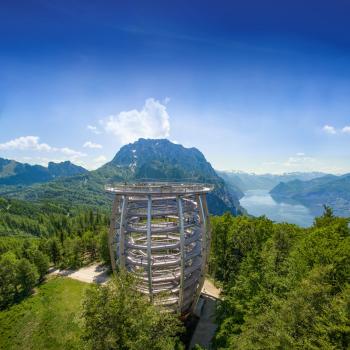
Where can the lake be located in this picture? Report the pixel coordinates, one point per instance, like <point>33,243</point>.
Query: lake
<point>260,202</point>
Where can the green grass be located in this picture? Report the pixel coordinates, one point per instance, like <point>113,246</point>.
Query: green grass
<point>50,319</point>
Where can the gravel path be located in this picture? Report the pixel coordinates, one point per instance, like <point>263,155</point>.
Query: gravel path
<point>92,273</point>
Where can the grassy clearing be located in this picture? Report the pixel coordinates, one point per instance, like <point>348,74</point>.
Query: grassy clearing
<point>47,320</point>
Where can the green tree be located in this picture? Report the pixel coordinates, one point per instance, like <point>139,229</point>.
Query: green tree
<point>289,286</point>
<point>27,275</point>
<point>103,249</point>
<point>72,253</point>
<point>8,279</point>
<point>89,242</point>
<point>327,217</point>
<point>116,316</point>
<point>41,262</point>
<point>55,251</point>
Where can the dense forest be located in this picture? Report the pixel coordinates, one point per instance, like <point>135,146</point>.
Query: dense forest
<point>33,236</point>
<point>283,287</point>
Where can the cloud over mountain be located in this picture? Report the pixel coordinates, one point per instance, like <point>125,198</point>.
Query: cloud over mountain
<point>89,144</point>
<point>32,143</point>
<point>152,121</point>
<point>25,143</point>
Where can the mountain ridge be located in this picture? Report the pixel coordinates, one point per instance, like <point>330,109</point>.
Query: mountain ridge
<point>155,159</point>
<point>145,158</point>
<point>251,181</point>
<point>330,190</point>
<point>15,173</point>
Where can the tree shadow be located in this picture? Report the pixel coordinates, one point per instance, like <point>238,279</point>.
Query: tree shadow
<point>206,326</point>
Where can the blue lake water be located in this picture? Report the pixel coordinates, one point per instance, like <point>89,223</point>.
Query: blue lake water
<point>260,202</point>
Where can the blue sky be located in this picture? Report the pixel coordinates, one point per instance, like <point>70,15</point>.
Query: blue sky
<point>258,86</point>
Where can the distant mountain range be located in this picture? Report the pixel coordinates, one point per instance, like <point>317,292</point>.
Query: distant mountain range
<point>15,173</point>
<point>330,190</point>
<point>249,181</point>
<point>312,189</point>
<point>141,160</point>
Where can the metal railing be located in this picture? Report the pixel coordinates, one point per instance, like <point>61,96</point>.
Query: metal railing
<point>163,188</point>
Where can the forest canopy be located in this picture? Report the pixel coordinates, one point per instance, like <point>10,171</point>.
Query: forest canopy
<point>284,287</point>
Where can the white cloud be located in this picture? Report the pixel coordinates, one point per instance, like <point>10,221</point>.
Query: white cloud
<point>93,129</point>
<point>32,143</point>
<point>69,152</point>
<point>25,143</point>
<point>89,144</point>
<point>94,163</point>
<point>329,129</point>
<point>152,121</point>
<point>332,130</point>
<point>100,160</point>
<point>29,149</point>
<point>346,129</point>
<point>300,161</point>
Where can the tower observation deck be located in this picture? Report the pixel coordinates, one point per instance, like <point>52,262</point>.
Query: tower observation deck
<point>161,232</point>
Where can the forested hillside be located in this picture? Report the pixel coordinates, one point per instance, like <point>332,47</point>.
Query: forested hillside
<point>15,173</point>
<point>32,236</point>
<point>140,161</point>
<point>330,190</point>
<point>250,181</point>
<point>283,287</point>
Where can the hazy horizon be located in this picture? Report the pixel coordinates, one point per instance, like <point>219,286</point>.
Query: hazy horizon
<point>45,163</point>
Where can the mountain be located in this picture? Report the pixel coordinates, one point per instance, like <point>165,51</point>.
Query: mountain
<point>250,181</point>
<point>154,160</point>
<point>330,190</point>
<point>65,169</point>
<point>141,160</point>
<point>16,173</point>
